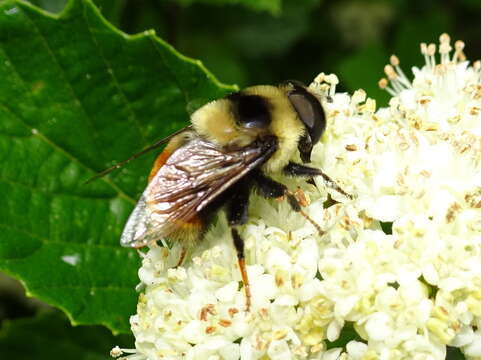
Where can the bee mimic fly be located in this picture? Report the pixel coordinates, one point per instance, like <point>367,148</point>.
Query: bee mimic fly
<point>232,147</point>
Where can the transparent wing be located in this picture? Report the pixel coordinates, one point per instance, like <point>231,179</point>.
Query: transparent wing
<point>192,177</point>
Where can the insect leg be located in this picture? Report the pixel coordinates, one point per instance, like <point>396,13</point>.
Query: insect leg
<point>182,256</point>
<point>268,187</point>
<point>237,215</point>
<point>239,245</point>
<point>294,169</point>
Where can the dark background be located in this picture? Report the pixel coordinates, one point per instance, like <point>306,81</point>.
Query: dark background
<point>291,39</point>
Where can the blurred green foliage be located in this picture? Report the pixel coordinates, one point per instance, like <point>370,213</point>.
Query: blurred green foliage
<point>247,42</point>
<point>251,42</point>
<point>50,336</point>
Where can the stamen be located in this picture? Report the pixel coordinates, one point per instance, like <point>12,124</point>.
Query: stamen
<point>444,48</point>
<point>333,80</point>
<point>117,351</point>
<point>402,77</point>
<point>397,85</point>
<point>444,72</point>
<point>431,52</point>
<point>383,84</point>
<point>424,48</point>
<point>424,52</point>
<point>390,73</point>
<point>396,81</point>
<point>394,60</point>
<point>444,37</point>
<point>391,91</point>
<point>458,51</point>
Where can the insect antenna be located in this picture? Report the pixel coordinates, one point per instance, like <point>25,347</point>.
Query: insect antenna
<point>136,155</point>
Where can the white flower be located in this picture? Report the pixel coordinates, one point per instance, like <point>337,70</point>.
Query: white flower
<point>399,266</point>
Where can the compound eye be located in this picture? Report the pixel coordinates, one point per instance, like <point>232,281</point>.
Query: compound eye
<point>251,111</point>
<point>310,112</point>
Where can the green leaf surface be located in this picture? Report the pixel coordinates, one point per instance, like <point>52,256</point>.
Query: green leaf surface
<point>110,9</point>
<point>50,336</point>
<point>77,94</point>
<point>50,5</point>
<point>272,6</point>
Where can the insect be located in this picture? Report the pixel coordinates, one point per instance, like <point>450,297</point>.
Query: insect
<point>231,148</point>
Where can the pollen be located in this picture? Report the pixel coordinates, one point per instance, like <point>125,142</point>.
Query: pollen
<point>210,329</point>
<point>225,322</point>
<point>233,311</point>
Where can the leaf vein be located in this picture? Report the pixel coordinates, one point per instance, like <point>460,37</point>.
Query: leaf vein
<point>52,54</point>
<point>66,153</point>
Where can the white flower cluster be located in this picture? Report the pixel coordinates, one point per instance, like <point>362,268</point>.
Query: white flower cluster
<point>397,273</point>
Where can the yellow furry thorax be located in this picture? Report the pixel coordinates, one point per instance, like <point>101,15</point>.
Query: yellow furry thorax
<point>216,123</point>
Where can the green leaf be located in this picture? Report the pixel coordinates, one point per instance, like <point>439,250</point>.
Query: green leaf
<point>77,94</point>
<point>50,336</point>
<point>110,9</point>
<point>50,5</point>
<point>272,6</point>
